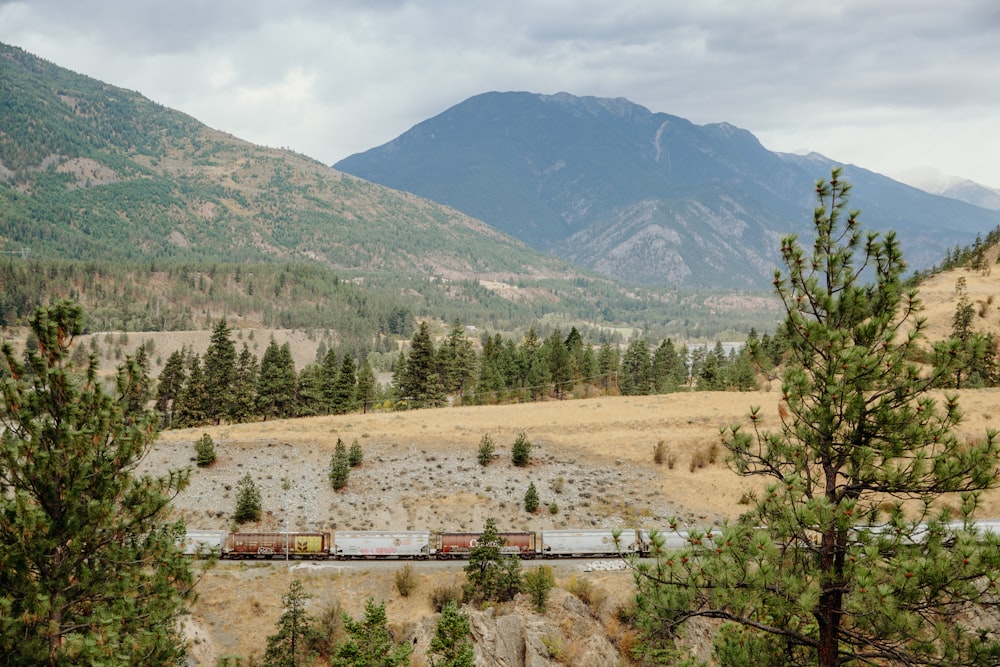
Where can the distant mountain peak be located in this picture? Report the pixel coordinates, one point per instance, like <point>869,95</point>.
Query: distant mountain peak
<point>642,196</point>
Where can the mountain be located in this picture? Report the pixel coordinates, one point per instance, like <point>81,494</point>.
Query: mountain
<point>956,187</point>
<point>91,171</point>
<point>641,196</point>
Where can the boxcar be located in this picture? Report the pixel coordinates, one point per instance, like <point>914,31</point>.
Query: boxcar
<point>381,544</point>
<point>569,543</point>
<point>459,545</point>
<point>277,545</point>
<point>203,542</point>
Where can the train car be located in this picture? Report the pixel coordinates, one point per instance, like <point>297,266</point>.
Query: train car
<point>277,545</point>
<point>673,540</point>
<point>203,542</point>
<point>590,543</point>
<point>382,544</point>
<point>460,545</point>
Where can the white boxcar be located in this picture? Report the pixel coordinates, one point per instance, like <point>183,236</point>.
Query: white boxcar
<point>590,542</point>
<point>203,542</point>
<point>382,544</point>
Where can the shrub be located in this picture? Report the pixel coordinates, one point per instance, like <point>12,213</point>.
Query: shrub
<point>660,452</point>
<point>442,595</point>
<point>553,508</point>
<point>520,453</point>
<point>204,449</point>
<point>406,580</point>
<point>557,485</point>
<point>486,449</point>
<point>531,499</point>
<point>586,592</point>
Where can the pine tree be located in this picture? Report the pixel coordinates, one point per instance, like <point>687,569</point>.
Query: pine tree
<point>520,452</point>
<point>204,451</point>
<point>345,390</point>
<point>531,499</point>
<point>192,404</point>
<point>170,384</point>
<point>421,380</point>
<point>451,645</point>
<point>245,394</point>
<point>329,379</point>
<point>292,645</point>
<point>248,503</point>
<point>486,449</point>
<point>276,382</point>
<point>89,568</point>
<point>849,555</point>
<point>367,386</point>
<point>369,642</point>
<point>340,466</point>
<point>538,583</point>
<point>489,574</point>
<point>309,392</point>
<point>355,456</point>
<point>220,373</point>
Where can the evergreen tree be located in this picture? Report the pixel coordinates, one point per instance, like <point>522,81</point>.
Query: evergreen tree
<point>451,645</point>
<point>291,645</point>
<point>355,456</point>
<point>340,466</point>
<point>848,556</point>
<point>608,366</point>
<point>141,389</point>
<point>170,384</point>
<point>192,408</point>
<point>456,360</point>
<point>248,503</point>
<point>486,449</point>
<point>538,583</point>
<point>245,395</point>
<point>330,368</point>
<point>89,568</point>
<point>346,388</point>
<point>369,643</point>
<point>490,574</point>
<point>560,363</point>
<point>491,384</point>
<point>310,400</point>
<point>669,371</point>
<point>971,355</point>
<point>220,373</point>
<point>520,451</point>
<point>367,386</point>
<point>531,499</point>
<point>421,381</point>
<point>539,378</point>
<point>637,369</point>
<point>204,449</point>
<point>276,382</point>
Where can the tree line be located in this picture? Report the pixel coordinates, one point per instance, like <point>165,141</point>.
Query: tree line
<point>222,384</point>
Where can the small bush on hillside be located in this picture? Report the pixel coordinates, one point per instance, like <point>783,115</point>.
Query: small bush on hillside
<point>355,455</point>
<point>531,499</point>
<point>520,453</point>
<point>204,449</point>
<point>442,595</point>
<point>486,449</point>
<point>406,580</point>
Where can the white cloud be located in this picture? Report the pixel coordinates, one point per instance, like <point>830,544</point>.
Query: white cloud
<point>886,85</point>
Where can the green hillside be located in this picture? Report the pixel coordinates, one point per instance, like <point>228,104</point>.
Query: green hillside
<point>102,187</point>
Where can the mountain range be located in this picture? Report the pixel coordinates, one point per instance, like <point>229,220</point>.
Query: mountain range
<point>644,197</point>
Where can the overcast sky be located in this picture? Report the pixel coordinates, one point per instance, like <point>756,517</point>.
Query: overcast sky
<point>889,85</point>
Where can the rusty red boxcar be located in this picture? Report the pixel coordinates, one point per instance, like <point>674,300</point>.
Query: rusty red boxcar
<point>459,545</point>
<point>277,545</point>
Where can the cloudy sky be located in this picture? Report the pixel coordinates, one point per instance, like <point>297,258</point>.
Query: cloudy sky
<point>890,85</point>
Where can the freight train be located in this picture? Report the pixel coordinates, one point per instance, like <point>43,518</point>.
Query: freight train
<point>411,544</point>
<point>423,544</point>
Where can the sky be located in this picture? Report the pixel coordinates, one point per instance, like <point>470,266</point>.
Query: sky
<point>906,88</point>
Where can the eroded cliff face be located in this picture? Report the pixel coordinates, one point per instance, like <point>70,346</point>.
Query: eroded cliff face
<point>515,635</point>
